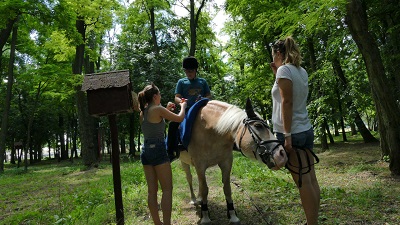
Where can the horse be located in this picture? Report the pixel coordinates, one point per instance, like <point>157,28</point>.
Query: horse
<point>217,128</point>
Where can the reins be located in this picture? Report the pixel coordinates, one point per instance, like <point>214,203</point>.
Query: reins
<point>300,167</point>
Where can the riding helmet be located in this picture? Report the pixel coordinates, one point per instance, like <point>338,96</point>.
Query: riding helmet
<point>190,63</point>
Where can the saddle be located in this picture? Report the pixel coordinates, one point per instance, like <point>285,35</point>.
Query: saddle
<point>181,136</point>
<point>185,129</point>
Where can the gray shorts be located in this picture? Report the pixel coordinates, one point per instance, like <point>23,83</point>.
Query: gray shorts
<point>301,140</point>
<point>154,153</point>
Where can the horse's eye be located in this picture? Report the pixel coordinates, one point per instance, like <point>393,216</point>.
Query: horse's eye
<point>258,125</point>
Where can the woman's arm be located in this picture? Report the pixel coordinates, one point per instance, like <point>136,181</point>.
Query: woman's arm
<point>286,92</point>
<point>167,114</point>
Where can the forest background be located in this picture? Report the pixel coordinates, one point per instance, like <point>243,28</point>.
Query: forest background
<point>350,49</point>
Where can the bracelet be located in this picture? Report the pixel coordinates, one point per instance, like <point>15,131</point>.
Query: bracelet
<point>287,135</point>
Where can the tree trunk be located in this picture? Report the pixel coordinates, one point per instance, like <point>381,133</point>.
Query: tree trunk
<point>13,153</point>
<point>313,65</point>
<point>7,102</point>
<point>336,128</point>
<point>123,148</point>
<point>194,20</point>
<point>61,132</point>
<point>344,136</point>
<point>324,141</point>
<point>88,136</point>
<point>328,131</point>
<point>353,129</point>
<point>132,146</point>
<point>386,105</point>
<point>6,32</point>
<point>31,117</point>
<point>74,150</point>
<point>153,31</point>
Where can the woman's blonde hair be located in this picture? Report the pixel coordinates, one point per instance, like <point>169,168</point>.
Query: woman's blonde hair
<point>289,49</point>
<point>146,95</point>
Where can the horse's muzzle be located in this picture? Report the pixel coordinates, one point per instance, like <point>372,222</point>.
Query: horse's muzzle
<point>272,154</point>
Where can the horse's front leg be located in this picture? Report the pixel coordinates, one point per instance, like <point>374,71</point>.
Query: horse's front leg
<point>226,168</point>
<point>189,178</point>
<point>203,191</point>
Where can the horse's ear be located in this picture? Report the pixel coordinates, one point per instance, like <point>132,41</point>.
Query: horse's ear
<point>249,109</point>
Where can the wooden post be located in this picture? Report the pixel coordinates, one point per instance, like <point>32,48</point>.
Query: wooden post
<point>108,94</point>
<point>119,208</point>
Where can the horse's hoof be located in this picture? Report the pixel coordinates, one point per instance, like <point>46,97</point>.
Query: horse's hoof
<point>205,218</point>
<point>234,223</point>
<point>205,222</point>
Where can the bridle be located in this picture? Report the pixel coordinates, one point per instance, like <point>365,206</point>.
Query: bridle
<point>265,148</point>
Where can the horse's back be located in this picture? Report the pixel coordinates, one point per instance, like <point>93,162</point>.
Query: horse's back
<point>207,145</point>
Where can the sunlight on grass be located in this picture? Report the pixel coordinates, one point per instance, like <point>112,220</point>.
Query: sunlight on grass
<point>356,188</point>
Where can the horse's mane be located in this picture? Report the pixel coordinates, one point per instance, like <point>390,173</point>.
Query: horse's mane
<point>230,120</point>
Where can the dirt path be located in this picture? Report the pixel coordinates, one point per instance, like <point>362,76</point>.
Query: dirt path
<point>246,208</point>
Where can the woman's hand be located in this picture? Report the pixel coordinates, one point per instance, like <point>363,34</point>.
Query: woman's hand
<point>273,67</point>
<point>183,103</point>
<point>171,106</point>
<point>288,144</point>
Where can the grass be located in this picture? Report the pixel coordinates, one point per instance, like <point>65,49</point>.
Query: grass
<point>356,188</point>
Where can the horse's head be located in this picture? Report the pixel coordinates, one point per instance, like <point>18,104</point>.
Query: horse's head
<point>257,141</point>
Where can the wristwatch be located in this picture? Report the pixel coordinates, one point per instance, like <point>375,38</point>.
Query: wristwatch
<point>287,135</point>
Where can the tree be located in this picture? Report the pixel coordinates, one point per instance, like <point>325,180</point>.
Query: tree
<point>194,16</point>
<point>386,104</point>
<point>10,81</point>
<point>83,22</point>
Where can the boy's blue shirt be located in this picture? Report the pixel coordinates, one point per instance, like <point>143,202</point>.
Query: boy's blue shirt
<point>191,89</point>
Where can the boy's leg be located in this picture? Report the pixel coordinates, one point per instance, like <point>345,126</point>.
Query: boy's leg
<point>172,140</point>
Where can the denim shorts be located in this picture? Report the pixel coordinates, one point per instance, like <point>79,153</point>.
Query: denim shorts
<point>154,152</point>
<point>301,140</point>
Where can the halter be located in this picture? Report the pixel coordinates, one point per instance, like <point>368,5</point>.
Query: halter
<point>264,148</point>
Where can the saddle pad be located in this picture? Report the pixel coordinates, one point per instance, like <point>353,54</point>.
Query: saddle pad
<point>185,128</point>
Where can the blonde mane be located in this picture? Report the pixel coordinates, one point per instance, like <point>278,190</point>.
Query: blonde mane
<point>230,120</point>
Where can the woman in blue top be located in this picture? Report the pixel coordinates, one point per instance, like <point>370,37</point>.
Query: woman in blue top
<point>154,157</point>
<point>291,123</point>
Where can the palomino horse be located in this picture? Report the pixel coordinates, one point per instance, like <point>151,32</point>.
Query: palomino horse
<point>219,126</point>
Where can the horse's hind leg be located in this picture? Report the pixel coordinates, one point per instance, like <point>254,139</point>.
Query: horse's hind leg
<point>189,179</point>
<point>226,168</point>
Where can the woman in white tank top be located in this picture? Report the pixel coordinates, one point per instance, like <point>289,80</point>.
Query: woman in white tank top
<point>291,123</point>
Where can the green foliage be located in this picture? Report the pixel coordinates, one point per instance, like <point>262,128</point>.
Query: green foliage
<point>60,46</point>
